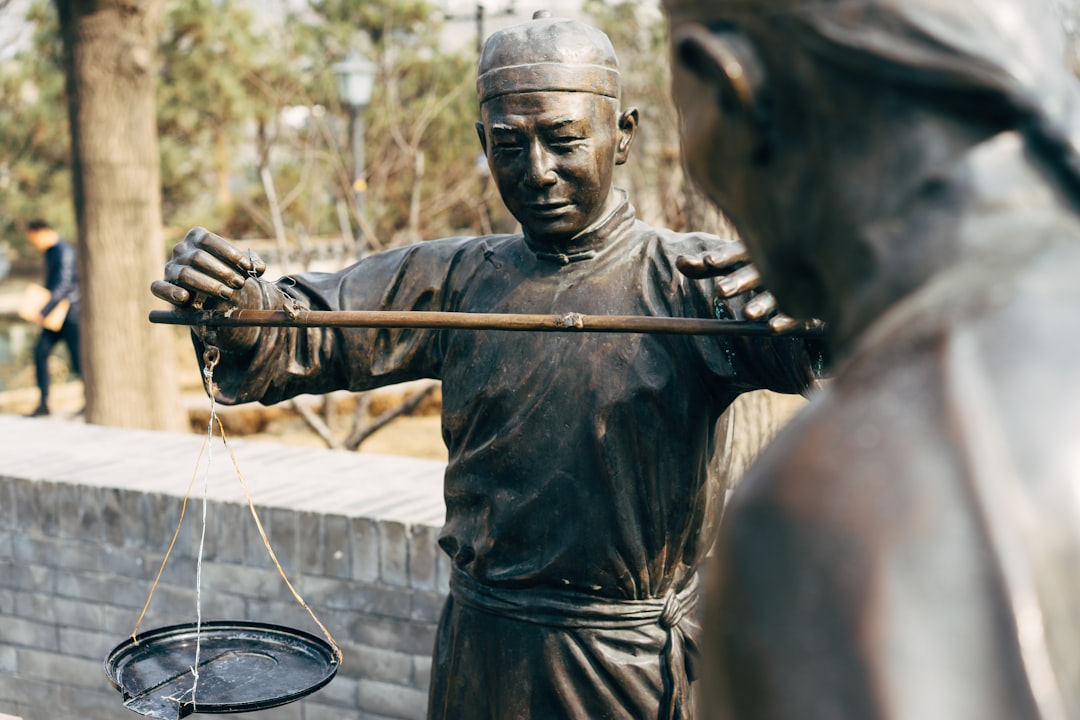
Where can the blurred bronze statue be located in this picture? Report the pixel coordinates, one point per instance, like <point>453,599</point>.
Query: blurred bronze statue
<point>582,487</point>
<point>909,547</point>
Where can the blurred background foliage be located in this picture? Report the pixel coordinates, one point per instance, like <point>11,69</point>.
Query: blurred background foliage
<point>245,96</point>
<point>241,94</point>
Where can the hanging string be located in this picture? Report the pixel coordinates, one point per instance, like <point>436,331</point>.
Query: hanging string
<point>211,356</point>
<point>176,533</point>
<point>270,550</point>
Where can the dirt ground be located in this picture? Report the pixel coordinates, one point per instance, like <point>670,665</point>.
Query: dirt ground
<point>758,415</point>
<point>415,435</point>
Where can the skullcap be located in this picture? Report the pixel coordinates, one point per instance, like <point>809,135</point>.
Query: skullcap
<point>547,53</point>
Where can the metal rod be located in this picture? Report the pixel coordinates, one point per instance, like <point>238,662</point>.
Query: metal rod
<point>569,322</point>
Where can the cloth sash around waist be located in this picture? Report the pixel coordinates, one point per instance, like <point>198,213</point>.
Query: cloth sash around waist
<point>568,610</point>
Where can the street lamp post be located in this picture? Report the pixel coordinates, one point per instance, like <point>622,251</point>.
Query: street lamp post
<point>356,82</point>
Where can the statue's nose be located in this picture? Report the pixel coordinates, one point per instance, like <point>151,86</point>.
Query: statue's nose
<point>541,168</point>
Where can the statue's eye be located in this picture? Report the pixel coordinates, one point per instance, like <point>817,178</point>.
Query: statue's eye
<point>567,143</point>
<point>506,145</point>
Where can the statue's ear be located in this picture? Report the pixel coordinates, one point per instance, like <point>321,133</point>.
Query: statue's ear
<point>628,124</point>
<point>723,59</point>
<point>728,62</point>
<point>483,136</point>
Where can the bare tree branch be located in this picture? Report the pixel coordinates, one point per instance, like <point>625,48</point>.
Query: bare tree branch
<point>361,434</point>
<point>316,423</point>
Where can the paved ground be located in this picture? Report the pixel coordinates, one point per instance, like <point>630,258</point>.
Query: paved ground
<point>303,479</point>
<point>11,290</point>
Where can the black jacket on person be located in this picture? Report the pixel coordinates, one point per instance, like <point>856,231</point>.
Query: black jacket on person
<point>62,277</point>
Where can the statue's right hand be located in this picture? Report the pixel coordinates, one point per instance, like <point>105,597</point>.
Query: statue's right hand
<point>208,272</point>
<point>203,266</point>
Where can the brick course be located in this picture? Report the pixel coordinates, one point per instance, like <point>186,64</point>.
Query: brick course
<point>87,513</point>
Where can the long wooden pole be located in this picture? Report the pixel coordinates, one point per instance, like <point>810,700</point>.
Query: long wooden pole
<point>569,322</point>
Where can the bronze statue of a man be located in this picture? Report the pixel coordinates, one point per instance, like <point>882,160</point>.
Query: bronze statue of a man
<point>908,171</point>
<point>582,487</point>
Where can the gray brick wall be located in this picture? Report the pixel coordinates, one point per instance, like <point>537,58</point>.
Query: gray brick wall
<point>77,559</point>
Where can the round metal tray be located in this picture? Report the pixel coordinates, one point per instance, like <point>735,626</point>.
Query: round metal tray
<point>243,666</point>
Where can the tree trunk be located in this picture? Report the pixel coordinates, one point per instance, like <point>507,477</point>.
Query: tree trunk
<point>128,364</point>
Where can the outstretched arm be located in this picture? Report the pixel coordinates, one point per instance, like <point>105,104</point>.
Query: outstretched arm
<point>270,364</point>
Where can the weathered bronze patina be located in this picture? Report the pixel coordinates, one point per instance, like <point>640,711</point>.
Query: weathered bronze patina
<point>582,487</point>
<point>907,170</point>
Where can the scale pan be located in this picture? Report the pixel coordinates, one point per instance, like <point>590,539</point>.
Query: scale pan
<point>243,666</point>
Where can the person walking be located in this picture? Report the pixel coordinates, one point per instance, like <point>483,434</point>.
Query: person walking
<point>62,282</point>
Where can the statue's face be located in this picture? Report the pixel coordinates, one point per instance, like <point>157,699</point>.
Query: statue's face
<point>553,155</point>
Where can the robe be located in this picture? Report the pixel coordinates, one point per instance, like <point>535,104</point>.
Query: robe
<point>583,483</point>
<point>909,546</point>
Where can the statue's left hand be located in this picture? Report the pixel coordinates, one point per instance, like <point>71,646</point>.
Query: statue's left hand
<point>737,275</point>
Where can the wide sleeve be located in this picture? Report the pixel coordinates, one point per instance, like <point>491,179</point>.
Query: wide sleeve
<point>780,363</point>
<point>285,362</point>
<point>734,364</point>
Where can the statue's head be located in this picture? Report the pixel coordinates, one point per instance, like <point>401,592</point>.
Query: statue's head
<point>798,115</point>
<point>551,125</point>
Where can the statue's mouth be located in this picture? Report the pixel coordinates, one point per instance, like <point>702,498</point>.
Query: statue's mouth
<point>549,209</point>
